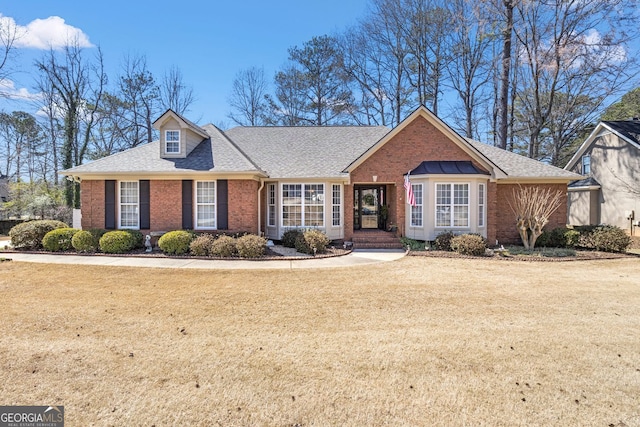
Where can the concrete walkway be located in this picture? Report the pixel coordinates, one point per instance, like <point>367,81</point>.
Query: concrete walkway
<point>357,257</point>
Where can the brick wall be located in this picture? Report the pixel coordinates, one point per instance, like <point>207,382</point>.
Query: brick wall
<point>243,205</point>
<point>506,231</point>
<point>418,141</point>
<point>165,205</point>
<point>92,204</point>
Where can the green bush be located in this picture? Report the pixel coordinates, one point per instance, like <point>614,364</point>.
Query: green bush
<point>84,241</point>
<point>469,244</point>
<point>290,236</point>
<point>251,246</point>
<point>116,242</point>
<point>412,244</point>
<point>138,238</point>
<point>605,238</point>
<point>59,239</point>
<point>201,245</point>
<point>175,242</point>
<point>224,246</point>
<point>312,242</point>
<point>561,237</point>
<point>443,241</point>
<point>29,235</point>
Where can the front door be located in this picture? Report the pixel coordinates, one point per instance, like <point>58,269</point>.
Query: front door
<point>367,206</point>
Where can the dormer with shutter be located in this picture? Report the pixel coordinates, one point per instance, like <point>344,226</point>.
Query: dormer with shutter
<point>178,136</point>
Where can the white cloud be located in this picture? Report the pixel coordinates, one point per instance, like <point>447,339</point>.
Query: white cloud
<point>8,90</point>
<point>49,33</point>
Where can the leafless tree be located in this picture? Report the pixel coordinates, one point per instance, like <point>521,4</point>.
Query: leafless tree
<point>532,207</point>
<point>8,36</point>
<point>248,97</point>
<point>78,85</point>
<point>174,93</point>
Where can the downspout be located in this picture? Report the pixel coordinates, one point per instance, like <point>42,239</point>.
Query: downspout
<point>259,204</point>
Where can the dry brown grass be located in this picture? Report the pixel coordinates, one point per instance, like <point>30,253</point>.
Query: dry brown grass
<point>421,341</point>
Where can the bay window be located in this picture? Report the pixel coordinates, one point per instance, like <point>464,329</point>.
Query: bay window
<point>302,205</point>
<point>452,205</point>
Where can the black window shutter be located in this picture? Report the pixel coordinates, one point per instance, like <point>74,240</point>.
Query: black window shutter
<point>145,206</point>
<point>110,204</point>
<point>222,204</point>
<point>187,204</point>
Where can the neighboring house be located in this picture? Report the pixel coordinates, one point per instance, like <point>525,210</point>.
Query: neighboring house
<point>609,191</point>
<point>336,178</point>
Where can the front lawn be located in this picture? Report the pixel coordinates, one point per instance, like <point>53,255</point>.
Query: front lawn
<point>420,341</point>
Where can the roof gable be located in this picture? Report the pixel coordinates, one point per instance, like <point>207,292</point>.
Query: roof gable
<point>453,136</point>
<point>184,123</point>
<point>627,130</point>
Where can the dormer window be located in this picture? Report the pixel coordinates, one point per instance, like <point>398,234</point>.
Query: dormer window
<point>586,164</point>
<point>172,141</point>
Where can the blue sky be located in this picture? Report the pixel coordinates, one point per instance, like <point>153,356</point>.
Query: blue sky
<point>210,41</point>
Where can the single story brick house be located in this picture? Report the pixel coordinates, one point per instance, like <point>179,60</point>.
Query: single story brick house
<point>344,180</point>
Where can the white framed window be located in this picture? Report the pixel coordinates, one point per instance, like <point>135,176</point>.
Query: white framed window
<point>205,211</point>
<point>586,164</point>
<point>303,205</point>
<point>172,141</point>
<point>452,205</point>
<point>481,205</point>
<point>129,203</point>
<point>336,205</point>
<point>416,211</point>
<point>271,205</point>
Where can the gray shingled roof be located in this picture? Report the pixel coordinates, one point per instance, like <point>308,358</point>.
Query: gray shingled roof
<point>517,166</point>
<point>305,152</point>
<point>216,154</point>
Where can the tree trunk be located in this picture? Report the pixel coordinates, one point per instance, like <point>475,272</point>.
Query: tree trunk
<point>503,102</point>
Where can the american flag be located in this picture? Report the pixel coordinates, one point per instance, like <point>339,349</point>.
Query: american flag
<point>411,199</point>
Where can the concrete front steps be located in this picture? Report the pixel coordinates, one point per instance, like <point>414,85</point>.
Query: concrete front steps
<point>375,239</point>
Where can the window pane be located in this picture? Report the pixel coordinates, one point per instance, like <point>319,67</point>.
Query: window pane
<point>461,194</point>
<point>443,216</point>
<point>313,194</point>
<point>443,194</point>
<point>206,216</point>
<point>313,216</point>
<point>460,216</point>
<point>129,216</point>
<point>291,194</point>
<point>173,135</point>
<point>291,216</point>
<point>205,192</point>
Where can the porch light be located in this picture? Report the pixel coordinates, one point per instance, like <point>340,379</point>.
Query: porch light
<point>375,178</point>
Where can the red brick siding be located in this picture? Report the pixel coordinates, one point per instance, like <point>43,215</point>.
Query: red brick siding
<point>92,204</point>
<point>243,205</point>
<point>417,142</point>
<point>506,231</point>
<point>165,205</point>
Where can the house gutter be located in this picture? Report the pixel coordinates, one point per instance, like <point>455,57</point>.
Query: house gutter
<point>259,210</point>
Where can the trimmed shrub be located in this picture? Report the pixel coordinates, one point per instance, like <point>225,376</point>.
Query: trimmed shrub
<point>116,242</point>
<point>175,242</point>
<point>251,246</point>
<point>290,236</point>
<point>224,246</point>
<point>201,245</point>
<point>443,241</point>
<point>29,235</point>
<point>59,239</point>
<point>138,238</point>
<point>469,244</point>
<point>312,242</point>
<point>84,241</point>
<point>607,238</point>
<point>561,237</point>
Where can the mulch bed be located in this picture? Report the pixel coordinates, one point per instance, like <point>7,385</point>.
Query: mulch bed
<point>270,255</point>
<point>580,256</point>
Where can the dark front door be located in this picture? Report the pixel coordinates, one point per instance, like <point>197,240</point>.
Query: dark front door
<point>368,201</point>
